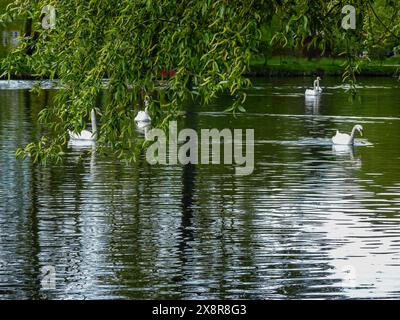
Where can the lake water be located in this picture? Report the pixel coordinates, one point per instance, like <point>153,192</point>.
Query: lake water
<point>311,221</point>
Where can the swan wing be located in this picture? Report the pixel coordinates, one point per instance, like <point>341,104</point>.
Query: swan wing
<point>341,138</point>
<point>83,135</point>
<point>312,92</point>
<point>142,117</point>
<point>139,116</point>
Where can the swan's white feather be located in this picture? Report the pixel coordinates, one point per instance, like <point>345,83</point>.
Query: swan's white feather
<point>313,92</point>
<point>142,116</point>
<point>346,139</point>
<point>83,135</point>
<point>342,139</point>
<point>86,135</point>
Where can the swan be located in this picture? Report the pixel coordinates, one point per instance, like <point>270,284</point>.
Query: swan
<point>141,125</point>
<point>86,135</point>
<point>317,89</point>
<point>344,138</point>
<point>143,116</point>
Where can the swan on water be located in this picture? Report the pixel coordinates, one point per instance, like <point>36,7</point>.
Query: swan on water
<point>143,116</point>
<point>317,89</point>
<point>344,138</point>
<point>86,135</point>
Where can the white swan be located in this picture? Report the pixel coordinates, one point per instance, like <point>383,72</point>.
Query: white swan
<point>344,138</point>
<point>141,125</point>
<point>143,116</point>
<point>317,89</point>
<point>86,135</point>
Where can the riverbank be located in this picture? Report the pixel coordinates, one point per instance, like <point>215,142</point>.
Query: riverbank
<point>292,66</point>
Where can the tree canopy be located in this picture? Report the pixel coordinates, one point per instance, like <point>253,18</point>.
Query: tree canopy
<point>135,44</point>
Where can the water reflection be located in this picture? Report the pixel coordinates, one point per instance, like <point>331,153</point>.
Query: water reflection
<point>312,103</point>
<point>347,154</point>
<point>343,149</point>
<point>10,38</point>
<point>312,221</point>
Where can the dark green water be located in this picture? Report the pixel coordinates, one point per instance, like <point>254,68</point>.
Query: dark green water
<point>310,222</point>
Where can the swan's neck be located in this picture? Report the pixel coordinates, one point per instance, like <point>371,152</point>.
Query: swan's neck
<point>94,124</point>
<point>353,133</point>
<point>316,84</point>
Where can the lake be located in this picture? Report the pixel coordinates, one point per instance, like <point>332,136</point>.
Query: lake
<point>311,221</point>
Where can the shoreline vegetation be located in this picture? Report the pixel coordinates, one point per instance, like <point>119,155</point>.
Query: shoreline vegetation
<point>284,66</point>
